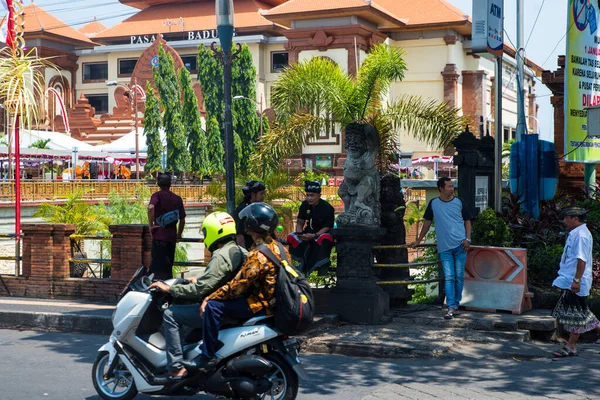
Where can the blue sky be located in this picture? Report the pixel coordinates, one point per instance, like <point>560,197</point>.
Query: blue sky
<point>545,44</point>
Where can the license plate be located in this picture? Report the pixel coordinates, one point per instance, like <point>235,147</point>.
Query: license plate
<point>292,347</point>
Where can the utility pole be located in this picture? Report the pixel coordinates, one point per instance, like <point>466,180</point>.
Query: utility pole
<point>521,122</point>
<point>498,129</point>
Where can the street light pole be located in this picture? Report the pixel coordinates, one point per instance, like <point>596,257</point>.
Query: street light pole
<point>135,123</point>
<point>133,104</point>
<point>261,116</point>
<point>224,14</point>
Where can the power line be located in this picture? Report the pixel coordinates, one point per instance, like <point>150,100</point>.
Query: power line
<point>559,41</point>
<point>534,23</point>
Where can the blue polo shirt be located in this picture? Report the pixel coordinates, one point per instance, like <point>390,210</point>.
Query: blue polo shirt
<point>449,218</point>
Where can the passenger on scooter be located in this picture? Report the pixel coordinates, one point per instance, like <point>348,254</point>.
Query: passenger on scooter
<point>227,257</point>
<point>252,292</point>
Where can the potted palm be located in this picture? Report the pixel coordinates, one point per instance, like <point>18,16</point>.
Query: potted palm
<point>318,93</point>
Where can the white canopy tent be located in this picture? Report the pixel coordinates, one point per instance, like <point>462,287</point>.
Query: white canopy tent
<point>58,141</point>
<point>126,144</point>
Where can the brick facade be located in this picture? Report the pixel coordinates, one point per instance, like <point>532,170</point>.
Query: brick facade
<point>474,90</point>
<point>45,268</point>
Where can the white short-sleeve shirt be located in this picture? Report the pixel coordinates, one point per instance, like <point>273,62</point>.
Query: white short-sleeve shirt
<point>578,247</point>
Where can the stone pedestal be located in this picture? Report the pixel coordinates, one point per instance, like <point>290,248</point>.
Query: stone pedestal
<point>357,297</point>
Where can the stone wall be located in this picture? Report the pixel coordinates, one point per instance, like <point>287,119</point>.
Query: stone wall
<point>45,268</point>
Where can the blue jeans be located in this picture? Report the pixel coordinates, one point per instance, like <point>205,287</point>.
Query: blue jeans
<point>453,264</point>
<point>214,313</point>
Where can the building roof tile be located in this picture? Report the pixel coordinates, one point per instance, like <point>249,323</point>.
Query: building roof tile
<point>93,28</point>
<point>37,20</point>
<point>196,16</point>
<point>409,12</point>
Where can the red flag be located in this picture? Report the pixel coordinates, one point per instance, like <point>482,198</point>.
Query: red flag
<point>7,31</point>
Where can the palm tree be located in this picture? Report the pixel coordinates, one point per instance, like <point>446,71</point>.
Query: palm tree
<point>317,93</point>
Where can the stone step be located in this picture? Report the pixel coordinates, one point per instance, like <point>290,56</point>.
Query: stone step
<point>536,320</point>
<point>493,336</point>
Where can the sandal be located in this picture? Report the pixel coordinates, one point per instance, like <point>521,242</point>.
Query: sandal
<point>449,315</point>
<point>564,353</point>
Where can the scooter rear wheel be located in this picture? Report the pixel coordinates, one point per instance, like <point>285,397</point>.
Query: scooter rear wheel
<point>119,387</point>
<point>283,378</point>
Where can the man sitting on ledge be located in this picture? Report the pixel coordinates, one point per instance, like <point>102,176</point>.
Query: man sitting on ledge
<point>311,244</point>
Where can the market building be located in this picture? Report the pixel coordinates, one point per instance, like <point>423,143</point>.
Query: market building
<point>434,35</point>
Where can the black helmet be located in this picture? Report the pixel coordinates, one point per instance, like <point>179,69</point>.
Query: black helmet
<point>259,218</point>
<point>253,187</point>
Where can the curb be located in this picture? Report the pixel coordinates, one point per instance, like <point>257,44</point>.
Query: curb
<point>351,349</point>
<point>27,320</point>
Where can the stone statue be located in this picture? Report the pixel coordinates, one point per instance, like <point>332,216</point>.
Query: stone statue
<point>393,207</point>
<point>360,189</point>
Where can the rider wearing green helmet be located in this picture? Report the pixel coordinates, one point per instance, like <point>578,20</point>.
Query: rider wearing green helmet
<point>219,232</point>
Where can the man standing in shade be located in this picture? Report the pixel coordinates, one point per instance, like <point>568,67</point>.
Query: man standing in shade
<point>575,280</point>
<point>453,232</point>
<point>254,192</point>
<point>164,212</point>
<point>311,244</point>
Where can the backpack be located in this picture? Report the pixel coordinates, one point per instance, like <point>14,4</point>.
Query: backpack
<point>294,307</point>
<point>168,218</point>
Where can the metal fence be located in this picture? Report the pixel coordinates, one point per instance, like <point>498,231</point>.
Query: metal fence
<point>16,258</point>
<point>413,265</point>
<point>38,191</point>
<point>80,265</point>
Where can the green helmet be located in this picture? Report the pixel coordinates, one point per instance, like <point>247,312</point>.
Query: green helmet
<point>217,226</point>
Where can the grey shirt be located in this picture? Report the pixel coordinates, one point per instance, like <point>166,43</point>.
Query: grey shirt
<point>449,218</point>
<point>222,267</point>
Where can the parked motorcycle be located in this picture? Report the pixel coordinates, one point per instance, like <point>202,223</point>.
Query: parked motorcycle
<point>254,362</point>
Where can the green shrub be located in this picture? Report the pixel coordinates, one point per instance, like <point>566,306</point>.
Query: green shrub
<point>542,264</point>
<point>421,295</point>
<point>489,229</point>
<point>328,281</point>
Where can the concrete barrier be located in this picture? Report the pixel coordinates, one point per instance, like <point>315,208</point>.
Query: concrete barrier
<point>496,280</point>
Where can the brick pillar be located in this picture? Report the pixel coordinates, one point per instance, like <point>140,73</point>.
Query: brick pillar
<point>127,250</point>
<point>146,247</point>
<point>38,247</point>
<point>474,94</point>
<point>532,122</point>
<point>61,250</point>
<point>450,74</point>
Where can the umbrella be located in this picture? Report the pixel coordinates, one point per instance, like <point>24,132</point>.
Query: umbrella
<point>435,162</point>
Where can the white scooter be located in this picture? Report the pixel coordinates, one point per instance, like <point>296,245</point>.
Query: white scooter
<point>254,362</point>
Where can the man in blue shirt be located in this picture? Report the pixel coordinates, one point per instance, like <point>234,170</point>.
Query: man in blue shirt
<point>453,232</point>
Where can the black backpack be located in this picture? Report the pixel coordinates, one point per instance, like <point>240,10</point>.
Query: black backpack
<point>294,307</point>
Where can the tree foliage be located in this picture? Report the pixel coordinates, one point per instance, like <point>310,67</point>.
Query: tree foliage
<point>246,122</point>
<point>89,218</point>
<point>178,157</point>
<point>196,137</point>
<point>316,93</point>
<point>152,123</point>
<point>245,119</point>
<point>216,151</point>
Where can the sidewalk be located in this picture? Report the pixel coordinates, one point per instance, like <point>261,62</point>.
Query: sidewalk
<point>414,332</point>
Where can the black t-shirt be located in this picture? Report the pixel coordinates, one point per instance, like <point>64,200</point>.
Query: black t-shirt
<point>318,217</point>
<point>239,225</point>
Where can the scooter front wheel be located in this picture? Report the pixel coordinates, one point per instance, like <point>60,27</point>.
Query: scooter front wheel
<point>120,385</point>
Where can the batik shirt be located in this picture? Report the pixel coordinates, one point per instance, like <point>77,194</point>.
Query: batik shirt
<point>256,280</point>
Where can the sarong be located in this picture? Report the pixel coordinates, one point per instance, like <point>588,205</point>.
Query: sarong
<point>573,312</point>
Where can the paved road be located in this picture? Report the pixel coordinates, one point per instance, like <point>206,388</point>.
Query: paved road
<point>56,366</point>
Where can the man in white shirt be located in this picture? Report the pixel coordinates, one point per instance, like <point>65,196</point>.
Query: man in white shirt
<point>575,280</point>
